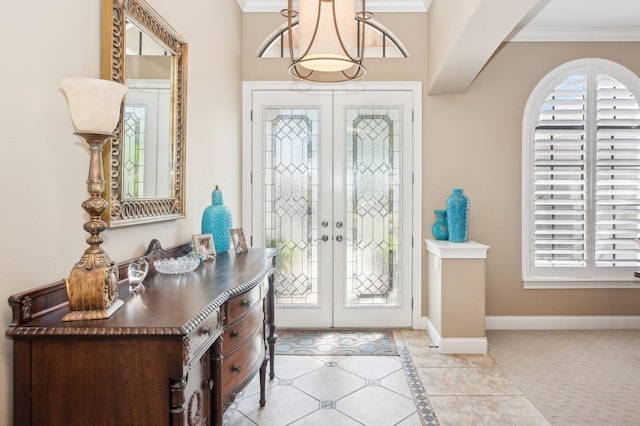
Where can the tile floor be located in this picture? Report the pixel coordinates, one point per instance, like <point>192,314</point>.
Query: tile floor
<point>387,390</point>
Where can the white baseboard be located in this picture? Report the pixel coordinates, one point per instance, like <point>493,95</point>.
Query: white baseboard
<point>457,345</point>
<point>562,322</point>
<point>463,345</point>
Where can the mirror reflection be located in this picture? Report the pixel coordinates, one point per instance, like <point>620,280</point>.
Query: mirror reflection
<point>147,114</point>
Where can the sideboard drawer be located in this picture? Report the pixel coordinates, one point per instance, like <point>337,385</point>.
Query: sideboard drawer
<point>242,363</point>
<point>201,337</point>
<point>237,333</point>
<point>241,304</point>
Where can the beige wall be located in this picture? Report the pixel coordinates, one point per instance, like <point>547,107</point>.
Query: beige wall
<point>473,141</point>
<point>43,167</point>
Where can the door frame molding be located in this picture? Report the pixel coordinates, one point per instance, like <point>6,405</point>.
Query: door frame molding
<point>248,87</point>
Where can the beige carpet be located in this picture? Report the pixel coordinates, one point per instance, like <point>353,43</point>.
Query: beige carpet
<point>585,377</point>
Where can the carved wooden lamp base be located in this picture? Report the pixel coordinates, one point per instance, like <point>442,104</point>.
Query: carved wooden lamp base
<point>93,314</point>
<point>92,288</point>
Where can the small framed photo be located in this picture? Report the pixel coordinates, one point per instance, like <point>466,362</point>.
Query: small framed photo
<point>239,243</point>
<point>203,245</point>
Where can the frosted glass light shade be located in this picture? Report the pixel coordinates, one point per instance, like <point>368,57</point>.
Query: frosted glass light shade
<point>326,54</point>
<point>94,103</point>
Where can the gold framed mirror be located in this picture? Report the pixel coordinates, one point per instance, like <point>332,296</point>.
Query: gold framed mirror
<point>145,167</point>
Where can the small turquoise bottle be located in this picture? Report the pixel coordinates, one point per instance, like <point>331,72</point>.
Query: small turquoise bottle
<point>216,220</point>
<point>440,228</point>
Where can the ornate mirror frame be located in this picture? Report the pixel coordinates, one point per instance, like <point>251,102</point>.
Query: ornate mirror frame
<point>132,211</point>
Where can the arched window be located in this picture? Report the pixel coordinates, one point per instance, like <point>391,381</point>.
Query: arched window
<point>380,43</point>
<point>581,176</point>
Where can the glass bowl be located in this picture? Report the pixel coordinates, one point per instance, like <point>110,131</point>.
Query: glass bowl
<point>178,265</point>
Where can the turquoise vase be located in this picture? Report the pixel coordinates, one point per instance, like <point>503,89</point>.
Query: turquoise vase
<point>457,216</point>
<point>216,220</point>
<point>440,228</point>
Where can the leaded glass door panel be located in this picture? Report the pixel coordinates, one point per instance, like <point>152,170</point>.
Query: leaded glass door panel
<point>328,192</point>
<point>292,139</point>
<point>372,193</point>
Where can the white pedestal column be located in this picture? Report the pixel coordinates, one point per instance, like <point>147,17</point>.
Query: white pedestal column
<point>456,296</point>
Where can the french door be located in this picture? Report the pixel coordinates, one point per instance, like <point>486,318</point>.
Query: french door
<point>331,188</point>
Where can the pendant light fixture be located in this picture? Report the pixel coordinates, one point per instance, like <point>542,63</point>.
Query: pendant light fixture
<point>329,45</point>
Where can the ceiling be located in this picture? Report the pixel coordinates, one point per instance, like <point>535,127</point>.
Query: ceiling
<point>581,20</point>
<point>551,20</point>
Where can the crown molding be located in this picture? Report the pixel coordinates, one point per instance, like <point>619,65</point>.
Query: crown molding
<point>575,34</point>
<point>372,5</point>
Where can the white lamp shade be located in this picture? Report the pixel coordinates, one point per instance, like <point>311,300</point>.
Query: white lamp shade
<point>326,54</point>
<point>94,103</point>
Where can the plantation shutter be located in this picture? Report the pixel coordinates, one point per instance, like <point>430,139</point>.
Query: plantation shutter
<point>586,175</point>
<point>560,179</point>
<point>617,189</point>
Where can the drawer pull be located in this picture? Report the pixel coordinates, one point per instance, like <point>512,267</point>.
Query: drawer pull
<point>210,383</point>
<point>236,369</point>
<point>206,330</point>
<point>246,303</point>
<point>235,334</point>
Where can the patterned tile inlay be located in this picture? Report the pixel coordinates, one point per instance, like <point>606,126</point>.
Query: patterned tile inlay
<point>335,342</point>
<point>427,415</point>
<point>327,404</point>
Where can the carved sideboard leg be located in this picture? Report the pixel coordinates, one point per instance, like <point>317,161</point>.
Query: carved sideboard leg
<point>272,346</point>
<point>218,408</point>
<point>263,381</point>
<point>271,320</point>
<point>177,389</point>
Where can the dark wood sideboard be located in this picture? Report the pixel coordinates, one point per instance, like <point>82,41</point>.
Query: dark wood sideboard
<point>175,354</point>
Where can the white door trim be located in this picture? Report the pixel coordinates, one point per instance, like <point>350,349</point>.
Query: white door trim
<point>248,87</point>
